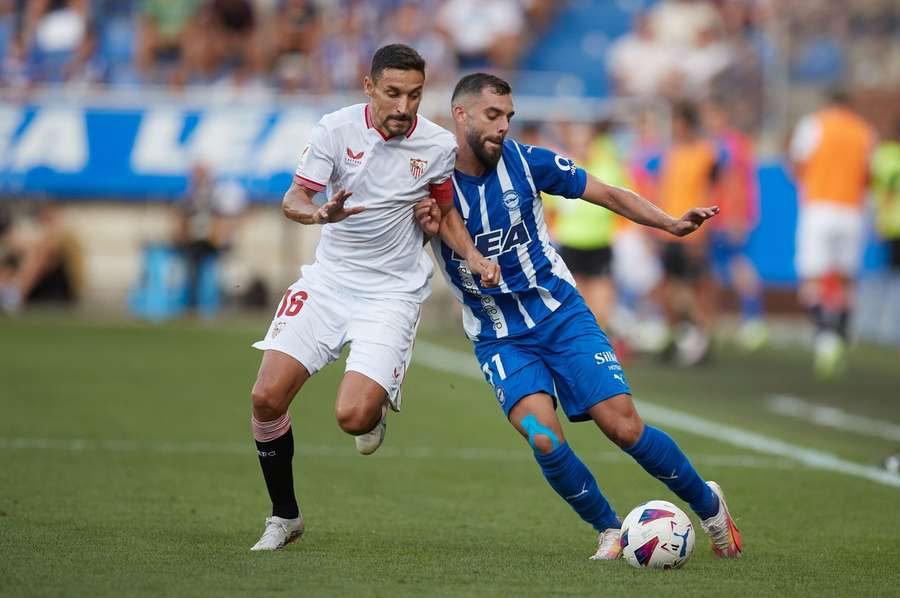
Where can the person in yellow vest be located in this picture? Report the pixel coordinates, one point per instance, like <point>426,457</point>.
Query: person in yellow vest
<point>687,171</point>
<point>584,231</point>
<point>830,152</point>
<point>886,185</point>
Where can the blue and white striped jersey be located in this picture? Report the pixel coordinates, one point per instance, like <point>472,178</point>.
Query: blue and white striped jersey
<point>503,212</point>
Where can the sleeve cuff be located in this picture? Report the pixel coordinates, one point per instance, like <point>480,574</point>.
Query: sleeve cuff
<point>308,183</point>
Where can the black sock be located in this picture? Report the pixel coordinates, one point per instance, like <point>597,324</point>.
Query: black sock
<point>275,458</point>
<point>819,318</point>
<point>843,323</point>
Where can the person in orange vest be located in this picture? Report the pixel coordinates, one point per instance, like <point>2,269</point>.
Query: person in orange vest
<point>687,172</point>
<point>830,154</point>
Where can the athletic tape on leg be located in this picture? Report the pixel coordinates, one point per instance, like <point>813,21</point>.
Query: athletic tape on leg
<point>533,427</point>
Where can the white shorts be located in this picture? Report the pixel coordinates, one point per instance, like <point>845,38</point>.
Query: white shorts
<point>314,321</point>
<point>829,238</point>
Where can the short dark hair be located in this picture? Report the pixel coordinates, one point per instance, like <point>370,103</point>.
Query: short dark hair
<point>476,82</point>
<point>396,56</point>
<point>687,111</point>
<point>839,95</point>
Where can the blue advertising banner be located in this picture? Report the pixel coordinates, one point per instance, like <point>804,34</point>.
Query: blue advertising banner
<point>141,153</point>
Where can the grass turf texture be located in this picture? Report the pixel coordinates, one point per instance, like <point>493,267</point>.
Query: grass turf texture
<point>134,474</point>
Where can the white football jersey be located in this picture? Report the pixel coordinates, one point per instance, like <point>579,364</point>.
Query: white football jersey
<point>379,251</point>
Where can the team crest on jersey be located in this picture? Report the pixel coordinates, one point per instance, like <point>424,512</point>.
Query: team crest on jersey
<point>277,328</point>
<point>511,199</point>
<point>417,167</point>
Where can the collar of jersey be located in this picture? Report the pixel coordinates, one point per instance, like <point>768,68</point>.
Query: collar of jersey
<point>474,180</point>
<point>371,125</point>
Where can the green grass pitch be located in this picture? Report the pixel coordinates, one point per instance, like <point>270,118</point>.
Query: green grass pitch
<point>126,468</point>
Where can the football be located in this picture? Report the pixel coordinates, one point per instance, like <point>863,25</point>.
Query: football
<point>657,535</point>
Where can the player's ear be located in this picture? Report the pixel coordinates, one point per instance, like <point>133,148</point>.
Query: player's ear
<point>459,113</point>
<point>368,86</point>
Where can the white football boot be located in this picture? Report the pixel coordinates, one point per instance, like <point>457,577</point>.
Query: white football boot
<point>279,533</point>
<point>609,545</point>
<point>369,442</point>
<point>724,536</point>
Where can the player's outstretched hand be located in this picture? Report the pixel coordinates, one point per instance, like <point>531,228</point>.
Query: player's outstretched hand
<point>428,213</point>
<point>692,220</point>
<point>334,211</point>
<point>488,271</point>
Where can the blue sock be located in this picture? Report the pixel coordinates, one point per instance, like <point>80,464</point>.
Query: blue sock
<point>751,307</point>
<point>574,482</point>
<point>656,452</point>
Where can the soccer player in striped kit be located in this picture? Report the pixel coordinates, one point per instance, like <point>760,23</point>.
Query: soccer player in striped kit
<point>536,341</point>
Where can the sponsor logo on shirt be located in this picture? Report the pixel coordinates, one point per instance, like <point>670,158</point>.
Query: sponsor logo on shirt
<point>494,242</point>
<point>353,159</point>
<point>417,167</point>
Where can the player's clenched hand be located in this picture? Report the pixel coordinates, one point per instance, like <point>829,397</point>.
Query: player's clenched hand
<point>488,271</point>
<point>428,213</point>
<point>334,211</point>
<point>692,220</point>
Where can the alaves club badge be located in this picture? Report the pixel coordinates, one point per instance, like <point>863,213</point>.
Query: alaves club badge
<point>417,167</point>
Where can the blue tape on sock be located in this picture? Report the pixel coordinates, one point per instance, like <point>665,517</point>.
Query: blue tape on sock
<point>533,427</point>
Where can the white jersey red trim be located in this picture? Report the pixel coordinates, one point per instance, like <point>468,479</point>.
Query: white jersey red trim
<point>377,252</point>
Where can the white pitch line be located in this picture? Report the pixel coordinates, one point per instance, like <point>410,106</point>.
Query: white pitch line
<point>455,362</point>
<point>832,417</point>
<point>341,452</point>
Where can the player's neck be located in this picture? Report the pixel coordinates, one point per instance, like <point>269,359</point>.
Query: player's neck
<point>467,162</point>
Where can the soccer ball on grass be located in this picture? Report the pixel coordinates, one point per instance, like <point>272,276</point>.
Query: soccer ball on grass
<point>657,535</point>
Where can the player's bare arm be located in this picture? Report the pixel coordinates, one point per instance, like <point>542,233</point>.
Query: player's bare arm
<point>642,211</point>
<point>298,206</point>
<point>453,232</point>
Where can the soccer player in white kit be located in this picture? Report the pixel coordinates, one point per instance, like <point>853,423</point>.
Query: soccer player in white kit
<point>375,161</point>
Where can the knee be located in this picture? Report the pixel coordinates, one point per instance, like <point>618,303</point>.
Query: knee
<point>354,420</point>
<point>268,402</point>
<point>543,443</point>
<point>542,438</point>
<point>625,430</point>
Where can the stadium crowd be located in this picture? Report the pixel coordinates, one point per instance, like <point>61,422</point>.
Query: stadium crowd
<point>285,45</point>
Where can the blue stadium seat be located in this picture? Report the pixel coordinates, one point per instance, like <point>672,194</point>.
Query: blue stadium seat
<point>576,45</point>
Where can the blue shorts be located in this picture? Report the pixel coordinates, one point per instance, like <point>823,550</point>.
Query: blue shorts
<point>722,251</point>
<point>566,355</point>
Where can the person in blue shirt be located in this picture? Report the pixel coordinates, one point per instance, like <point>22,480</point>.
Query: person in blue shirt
<point>535,339</point>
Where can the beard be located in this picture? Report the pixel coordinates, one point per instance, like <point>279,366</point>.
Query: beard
<point>487,157</point>
<point>397,125</point>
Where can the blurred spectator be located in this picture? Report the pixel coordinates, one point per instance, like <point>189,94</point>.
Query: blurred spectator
<point>583,230</point>
<point>702,63</point>
<point>830,151</point>
<point>687,171</point>
<point>345,54</point>
<point>886,185</point>
<point>296,33</point>
<point>484,32</point>
<point>639,61</point>
<point>233,41</point>
<point>55,32</point>
<point>736,194</point>
<point>165,37</point>
<point>39,261</point>
<point>409,24</point>
<point>679,22</point>
<point>207,221</point>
